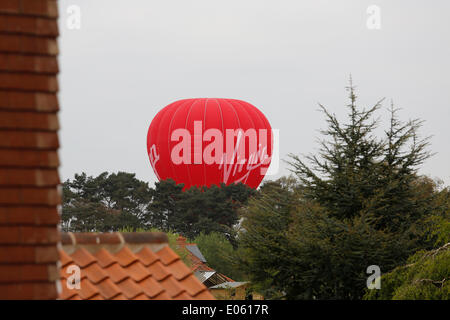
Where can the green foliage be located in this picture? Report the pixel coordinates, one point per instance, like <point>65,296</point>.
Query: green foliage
<point>424,277</point>
<point>437,225</point>
<point>110,202</point>
<point>104,203</point>
<point>356,172</point>
<point>359,202</point>
<point>220,254</point>
<point>197,210</point>
<point>295,248</point>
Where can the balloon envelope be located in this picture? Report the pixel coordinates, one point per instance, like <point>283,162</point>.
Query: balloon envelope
<point>206,141</point>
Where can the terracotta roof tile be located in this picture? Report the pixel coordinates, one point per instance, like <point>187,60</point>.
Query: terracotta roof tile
<point>137,271</point>
<point>158,271</point>
<point>83,258</point>
<point>120,297</point>
<point>64,258</point>
<point>108,289</point>
<point>183,296</point>
<point>113,270</point>
<point>162,296</point>
<point>87,289</point>
<point>172,286</point>
<point>193,285</point>
<point>204,295</point>
<point>151,287</point>
<point>129,288</point>
<point>94,273</point>
<point>66,293</point>
<point>167,255</point>
<point>116,272</point>
<point>180,270</point>
<point>104,258</point>
<point>142,296</point>
<point>126,257</point>
<point>147,256</point>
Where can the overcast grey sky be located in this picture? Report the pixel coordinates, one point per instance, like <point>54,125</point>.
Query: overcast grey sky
<point>131,58</point>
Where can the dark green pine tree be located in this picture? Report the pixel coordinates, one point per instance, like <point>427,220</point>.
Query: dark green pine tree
<point>108,202</point>
<point>357,203</point>
<point>356,173</point>
<point>163,208</point>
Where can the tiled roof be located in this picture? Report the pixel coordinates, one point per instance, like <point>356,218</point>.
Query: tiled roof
<point>136,266</point>
<point>207,275</point>
<point>195,251</point>
<point>197,264</point>
<point>226,285</point>
<point>29,106</point>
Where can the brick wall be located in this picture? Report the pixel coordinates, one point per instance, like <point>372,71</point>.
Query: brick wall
<point>28,149</point>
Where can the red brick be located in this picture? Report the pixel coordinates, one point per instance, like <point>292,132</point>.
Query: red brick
<point>30,196</point>
<point>26,63</point>
<point>9,235</point>
<point>39,45</point>
<point>30,215</point>
<point>10,43</point>
<point>25,139</point>
<point>17,291</point>
<point>28,254</point>
<point>28,101</point>
<point>28,291</point>
<point>34,82</point>
<point>17,254</point>
<point>29,158</point>
<point>28,235</point>
<point>13,273</point>
<point>47,102</point>
<point>29,120</point>
<point>46,254</point>
<point>28,44</point>
<point>28,25</point>
<point>38,235</point>
<point>52,272</point>
<point>29,177</point>
<point>9,6</point>
<point>4,62</point>
<point>47,27</point>
<point>17,272</point>
<point>11,177</point>
<point>46,8</point>
<point>3,22</point>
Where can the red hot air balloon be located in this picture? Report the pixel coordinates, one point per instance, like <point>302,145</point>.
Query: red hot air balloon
<point>205,141</point>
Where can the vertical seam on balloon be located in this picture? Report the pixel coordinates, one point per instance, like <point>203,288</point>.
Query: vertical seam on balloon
<point>203,160</point>
<point>170,134</point>
<point>237,117</point>
<point>185,127</point>
<point>257,136</point>
<point>223,141</point>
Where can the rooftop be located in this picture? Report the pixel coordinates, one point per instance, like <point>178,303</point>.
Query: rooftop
<point>136,266</point>
<point>227,285</point>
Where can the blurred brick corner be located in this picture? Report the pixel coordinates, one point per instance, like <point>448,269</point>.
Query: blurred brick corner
<point>29,179</point>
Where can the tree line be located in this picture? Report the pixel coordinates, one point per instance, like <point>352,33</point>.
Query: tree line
<point>118,201</point>
<point>359,201</point>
